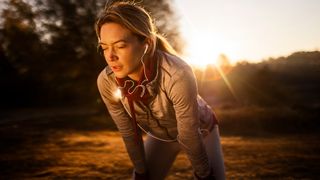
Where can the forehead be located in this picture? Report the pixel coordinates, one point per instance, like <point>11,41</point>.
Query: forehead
<point>113,32</point>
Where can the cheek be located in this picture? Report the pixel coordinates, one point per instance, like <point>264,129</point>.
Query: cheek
<point>129,58</point>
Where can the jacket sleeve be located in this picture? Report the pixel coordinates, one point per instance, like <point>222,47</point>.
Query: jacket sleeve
<point>183,94</point>
<point>122,121</point>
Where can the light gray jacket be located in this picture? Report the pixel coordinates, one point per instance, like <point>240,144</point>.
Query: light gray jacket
<point>176,112</point>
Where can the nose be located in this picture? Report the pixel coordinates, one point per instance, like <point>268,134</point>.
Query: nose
<point>110,54</point>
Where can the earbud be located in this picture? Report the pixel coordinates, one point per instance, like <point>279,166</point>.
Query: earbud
<point>146,49</point>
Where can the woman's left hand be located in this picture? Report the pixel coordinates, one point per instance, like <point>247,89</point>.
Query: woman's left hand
<point>138,176</point>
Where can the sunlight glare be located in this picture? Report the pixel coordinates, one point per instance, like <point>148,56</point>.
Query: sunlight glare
<point>201,51</point>
<point>117,94</point>
<point>205,49</point>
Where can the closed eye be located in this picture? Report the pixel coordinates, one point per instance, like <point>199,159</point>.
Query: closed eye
<point>104,48</point>
<point>121,47</point>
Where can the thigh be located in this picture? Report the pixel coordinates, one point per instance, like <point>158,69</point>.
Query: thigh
<point>160,157</point>
<point>215,154</point>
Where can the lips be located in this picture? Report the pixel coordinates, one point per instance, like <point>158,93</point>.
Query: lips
<point>116,68</point>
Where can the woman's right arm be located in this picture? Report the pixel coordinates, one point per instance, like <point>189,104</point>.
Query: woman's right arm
<point>122,121</point>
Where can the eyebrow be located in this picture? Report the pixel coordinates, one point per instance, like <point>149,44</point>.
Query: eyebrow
<point>121,40</point>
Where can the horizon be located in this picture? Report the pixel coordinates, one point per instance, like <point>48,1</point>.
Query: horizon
<point>235,29</point>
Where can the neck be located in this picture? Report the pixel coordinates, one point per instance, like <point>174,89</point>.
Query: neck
<point>137,74</point>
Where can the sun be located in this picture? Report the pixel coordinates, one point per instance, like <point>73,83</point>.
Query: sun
<point>200,51</point>
<point>205,49</point>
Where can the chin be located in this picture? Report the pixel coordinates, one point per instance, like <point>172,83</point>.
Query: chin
<point>120,75</point>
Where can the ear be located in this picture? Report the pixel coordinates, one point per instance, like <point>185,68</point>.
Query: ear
<point>147,43</point>
<point>100,50</point>
<point>146,49</point>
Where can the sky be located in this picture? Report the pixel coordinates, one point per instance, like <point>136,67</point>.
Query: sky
<point>250,30</point>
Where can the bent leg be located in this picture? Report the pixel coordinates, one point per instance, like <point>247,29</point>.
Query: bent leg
<point>215,154</point>
<point>160,157</point>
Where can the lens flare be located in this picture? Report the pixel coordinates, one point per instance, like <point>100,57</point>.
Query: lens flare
<point>117,94</point>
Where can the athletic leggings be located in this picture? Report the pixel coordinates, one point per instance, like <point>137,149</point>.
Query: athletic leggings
<point>160,155</point>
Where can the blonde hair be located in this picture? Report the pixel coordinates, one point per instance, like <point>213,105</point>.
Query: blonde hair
<point>137,20</point>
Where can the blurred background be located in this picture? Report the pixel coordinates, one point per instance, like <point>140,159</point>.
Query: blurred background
<point>257,64</point>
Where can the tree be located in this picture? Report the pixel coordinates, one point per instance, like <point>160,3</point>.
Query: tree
<point>21,49</point>
<point>51,45</point>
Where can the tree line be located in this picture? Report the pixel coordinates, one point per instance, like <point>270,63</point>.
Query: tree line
<point>48,49</point>
<point>48,57</point>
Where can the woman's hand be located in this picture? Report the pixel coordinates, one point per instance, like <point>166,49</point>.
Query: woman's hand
<point>138,176</point>
<point>209,177</point>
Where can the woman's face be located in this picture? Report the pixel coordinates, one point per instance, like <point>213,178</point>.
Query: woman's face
<point>122,50</point>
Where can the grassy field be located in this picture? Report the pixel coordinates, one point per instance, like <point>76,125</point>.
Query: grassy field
<point>82,147</point>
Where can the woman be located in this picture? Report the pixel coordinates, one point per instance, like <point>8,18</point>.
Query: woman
<point>147,88</point>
